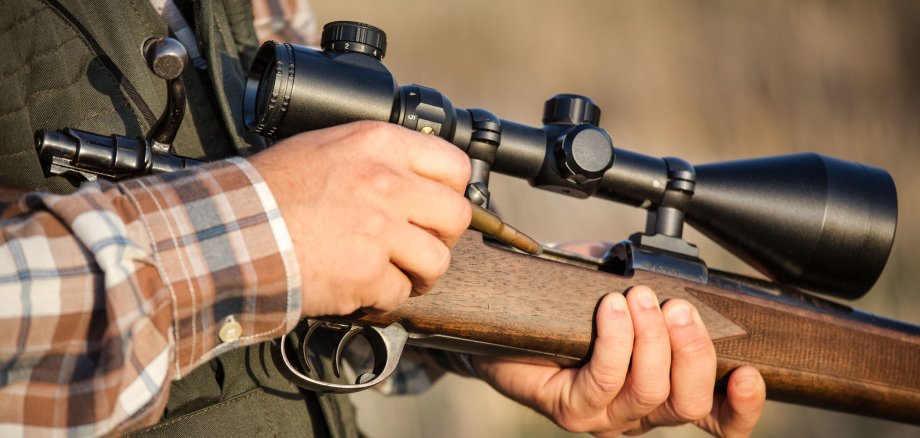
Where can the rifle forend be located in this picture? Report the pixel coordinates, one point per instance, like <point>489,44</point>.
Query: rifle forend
<point>810,351</point>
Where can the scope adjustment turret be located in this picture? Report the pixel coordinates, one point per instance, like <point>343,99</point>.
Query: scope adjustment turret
<point>352,36</point>
<point>584,153</point>
<point>571,109</point>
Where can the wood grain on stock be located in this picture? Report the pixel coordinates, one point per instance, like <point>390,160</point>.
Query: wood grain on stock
<point>807,355</point>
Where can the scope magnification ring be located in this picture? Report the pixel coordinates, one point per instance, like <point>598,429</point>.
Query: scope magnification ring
<point>354,36</point>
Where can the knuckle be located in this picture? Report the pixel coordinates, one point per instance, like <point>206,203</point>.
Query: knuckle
<point>372,137</point>
<point>381,180</point>
<point>392,299</point>
<point>345,306</point>
<point>373,130</point>
<point>370,267</point>
<point>436,265</point>
<point>697,347</point>
<point>372,224</point>
<point>571,423</point>
<point>651,396</point>
<point>460,162</point>
<point>692,339</point>
<point>692,410</point>
<point>606,381</point>
<point>653,335</point>
<point>441,261</point>
<point>462,216</point>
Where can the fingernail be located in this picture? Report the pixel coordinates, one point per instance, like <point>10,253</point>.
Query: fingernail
<point>618,303</point>
<point>647,300</point>
<point>744,384</point>
<point>678,314</point>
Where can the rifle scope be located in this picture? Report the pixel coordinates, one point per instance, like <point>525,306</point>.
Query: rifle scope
<point>805,219</point>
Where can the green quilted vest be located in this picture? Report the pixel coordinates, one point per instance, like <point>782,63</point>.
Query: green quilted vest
<point>78,64</point>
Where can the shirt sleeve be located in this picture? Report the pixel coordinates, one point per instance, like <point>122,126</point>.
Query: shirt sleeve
<point>112,292</point>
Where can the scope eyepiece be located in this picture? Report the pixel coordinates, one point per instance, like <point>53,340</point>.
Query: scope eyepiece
<point>268,88</point>
<point>292,89</point>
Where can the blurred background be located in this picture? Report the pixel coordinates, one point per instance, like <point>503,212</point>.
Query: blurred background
<point>705,81</point>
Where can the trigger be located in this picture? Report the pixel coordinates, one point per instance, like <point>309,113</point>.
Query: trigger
<point>340,349</point>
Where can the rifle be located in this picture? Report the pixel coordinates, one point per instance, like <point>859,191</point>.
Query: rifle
<point>539,307</point>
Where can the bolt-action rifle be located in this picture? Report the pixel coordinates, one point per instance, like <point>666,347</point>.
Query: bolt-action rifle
<point>805,221</point>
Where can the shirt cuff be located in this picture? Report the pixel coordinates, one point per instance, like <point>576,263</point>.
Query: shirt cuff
<point>224,254</point>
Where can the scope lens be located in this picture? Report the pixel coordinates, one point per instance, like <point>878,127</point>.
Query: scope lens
<point>266,88</point>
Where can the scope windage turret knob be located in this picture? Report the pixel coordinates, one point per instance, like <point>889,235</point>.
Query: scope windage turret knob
<point>571,109</point>
<point>584,153</point>
<point>351,36</point>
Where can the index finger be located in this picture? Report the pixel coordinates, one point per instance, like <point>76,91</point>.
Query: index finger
<point>434,158</point>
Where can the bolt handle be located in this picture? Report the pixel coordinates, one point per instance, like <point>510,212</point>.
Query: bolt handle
<point>166,57</point>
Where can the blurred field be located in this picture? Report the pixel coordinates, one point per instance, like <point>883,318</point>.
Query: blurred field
<point>706,81</point>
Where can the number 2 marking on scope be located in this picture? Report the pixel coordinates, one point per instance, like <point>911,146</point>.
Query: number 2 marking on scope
<point>347,45</point>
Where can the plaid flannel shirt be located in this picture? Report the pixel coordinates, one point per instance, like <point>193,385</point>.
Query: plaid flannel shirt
<point>114,291</point>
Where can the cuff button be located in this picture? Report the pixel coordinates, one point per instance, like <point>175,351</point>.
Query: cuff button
<point>231,330</point>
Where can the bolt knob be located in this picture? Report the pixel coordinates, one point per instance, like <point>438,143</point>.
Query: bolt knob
<point>571,109</point>
<point>584,153</point>
<point>166,57</point>
<point>352,36</point>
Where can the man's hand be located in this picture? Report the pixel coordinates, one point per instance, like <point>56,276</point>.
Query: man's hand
<point>650,367</point>
<point>373,210</point>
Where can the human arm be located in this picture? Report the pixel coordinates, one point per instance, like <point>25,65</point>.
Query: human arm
<point>114,291</point>
<point>191,249</point>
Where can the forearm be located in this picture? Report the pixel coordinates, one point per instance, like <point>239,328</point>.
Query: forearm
<point>116,290</point>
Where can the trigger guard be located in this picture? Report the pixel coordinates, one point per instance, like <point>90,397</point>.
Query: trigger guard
<point>390,340</point>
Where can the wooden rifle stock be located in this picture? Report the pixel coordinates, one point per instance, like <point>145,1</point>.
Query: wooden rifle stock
<point>810,351</point>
